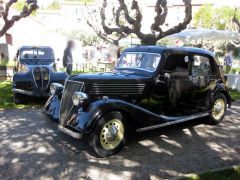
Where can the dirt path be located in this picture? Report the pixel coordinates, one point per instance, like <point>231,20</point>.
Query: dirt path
<point>31,146</point>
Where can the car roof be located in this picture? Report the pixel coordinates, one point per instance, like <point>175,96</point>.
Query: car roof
<point>40,47</point>
<point>161,49</point>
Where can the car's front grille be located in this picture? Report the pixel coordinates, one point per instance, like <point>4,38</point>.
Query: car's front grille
<point>41,77</point>
<point>117,89</point>
<point>67,104</point>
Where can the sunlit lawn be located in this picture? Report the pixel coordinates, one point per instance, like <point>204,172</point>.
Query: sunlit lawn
<point>6,97</point>
<point>235,94</point>
<point>231,173</point>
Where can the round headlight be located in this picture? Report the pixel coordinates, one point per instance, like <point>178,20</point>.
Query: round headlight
<point>79,97</point>
<point>54,87</point>
<point>23,68</point>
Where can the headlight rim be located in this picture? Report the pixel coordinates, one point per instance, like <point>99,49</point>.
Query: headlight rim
<point>54,87</point>
<point>79,98</point>
<point>27,69</point>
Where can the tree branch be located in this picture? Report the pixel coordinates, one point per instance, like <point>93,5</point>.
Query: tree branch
<point>29,7</point>
<point>162,11</point>
<point>180,26</point>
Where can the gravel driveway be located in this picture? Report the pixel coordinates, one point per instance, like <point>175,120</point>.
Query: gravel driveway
<point>31,146</point>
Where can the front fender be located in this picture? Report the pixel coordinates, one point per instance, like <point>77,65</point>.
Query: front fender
<point>88,117</point>
<point>52,107</point>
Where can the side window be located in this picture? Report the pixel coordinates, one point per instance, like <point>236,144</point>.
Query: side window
<point>201,66</point>
<point>177,63</point>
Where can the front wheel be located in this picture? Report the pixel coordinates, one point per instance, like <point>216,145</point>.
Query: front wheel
<point>109,135</point>
<point>218,109</point>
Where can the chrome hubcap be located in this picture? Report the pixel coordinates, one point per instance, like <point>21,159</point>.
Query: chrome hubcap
<point>218,109</point>
<point>112,134</point>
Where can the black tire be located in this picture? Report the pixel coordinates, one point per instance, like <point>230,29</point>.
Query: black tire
<point>17,98</point>
<point>215,119</point>
<point>96,141</point>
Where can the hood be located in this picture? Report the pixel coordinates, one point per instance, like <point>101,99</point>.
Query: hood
<point>111,77</point>
<point>36,62</point>
<point>119,85</point>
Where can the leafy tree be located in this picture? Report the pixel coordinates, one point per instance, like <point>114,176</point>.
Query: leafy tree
<point>27,9</point>
<point>203,17</point>
<point>219,18</point>
<point>133,22</point>
<point>55,5</point>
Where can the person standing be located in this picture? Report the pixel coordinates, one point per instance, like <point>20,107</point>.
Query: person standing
<point>228,61</point>
<point>67,57</point>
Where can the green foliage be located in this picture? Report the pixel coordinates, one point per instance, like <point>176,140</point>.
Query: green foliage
<point>166,42</point>
<point>235,95</point>
<point>231,173</point>
<point>55,5</point>
<point>203,17</point>
<point>19,5</point>
<point>219,18</point>
<point>86,38</point>
<point>6,97</point>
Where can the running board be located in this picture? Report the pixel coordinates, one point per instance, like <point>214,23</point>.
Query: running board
<point>172,122</point>
<point>69,132</point>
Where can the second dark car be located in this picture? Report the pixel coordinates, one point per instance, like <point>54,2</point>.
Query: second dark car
<point>151,87</point>
<point>34,72</point>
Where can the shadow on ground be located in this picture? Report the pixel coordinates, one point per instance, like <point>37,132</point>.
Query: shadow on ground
<point>31,146</point>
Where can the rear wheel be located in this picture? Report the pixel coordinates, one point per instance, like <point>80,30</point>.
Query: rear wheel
<point>218,109</point>
<point>109,135</point>
<point>17,98</point>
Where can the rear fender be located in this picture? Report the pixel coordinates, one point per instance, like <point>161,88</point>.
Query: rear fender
<point>221,88</point>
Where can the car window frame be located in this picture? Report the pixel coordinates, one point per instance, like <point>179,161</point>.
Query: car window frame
<point>211,61</point>
<point>140,52</point>
<point>174,53</point>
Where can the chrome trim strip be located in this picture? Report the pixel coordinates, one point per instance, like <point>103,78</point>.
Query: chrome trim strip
<point>173,122</point>
<point>49,77</point>
<point>21,91</point>
<point>41,76</point>
<point>34,76</point>
<point>69,132</point>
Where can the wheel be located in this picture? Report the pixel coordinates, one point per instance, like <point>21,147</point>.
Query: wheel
<point>109,135</point>
<point>218,109</point>
<point>17,98</point>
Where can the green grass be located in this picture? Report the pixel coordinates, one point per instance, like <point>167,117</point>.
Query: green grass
<point>235,94</point>
<point>10,63</point>
<point>226,174</point>
<point>6,97</point>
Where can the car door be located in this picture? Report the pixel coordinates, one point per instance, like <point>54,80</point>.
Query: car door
<point>203,80</point>
<point>173,83</point>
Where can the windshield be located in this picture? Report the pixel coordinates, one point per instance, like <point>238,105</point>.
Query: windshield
<point>36,53</point>
<point>139,60</point>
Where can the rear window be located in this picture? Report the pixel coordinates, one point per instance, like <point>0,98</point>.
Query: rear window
<point>36,53</point>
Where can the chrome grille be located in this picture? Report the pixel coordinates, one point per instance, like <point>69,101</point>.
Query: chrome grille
<point>117,89</point>
<point>41,77</point>
<point>67,104</point>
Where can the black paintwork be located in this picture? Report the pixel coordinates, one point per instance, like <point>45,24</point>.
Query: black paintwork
<point>146,99</point>
<point>26,83</point>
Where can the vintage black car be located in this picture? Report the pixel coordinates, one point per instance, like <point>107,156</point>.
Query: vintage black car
<point>151,87</point>
<point>34,72</point>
